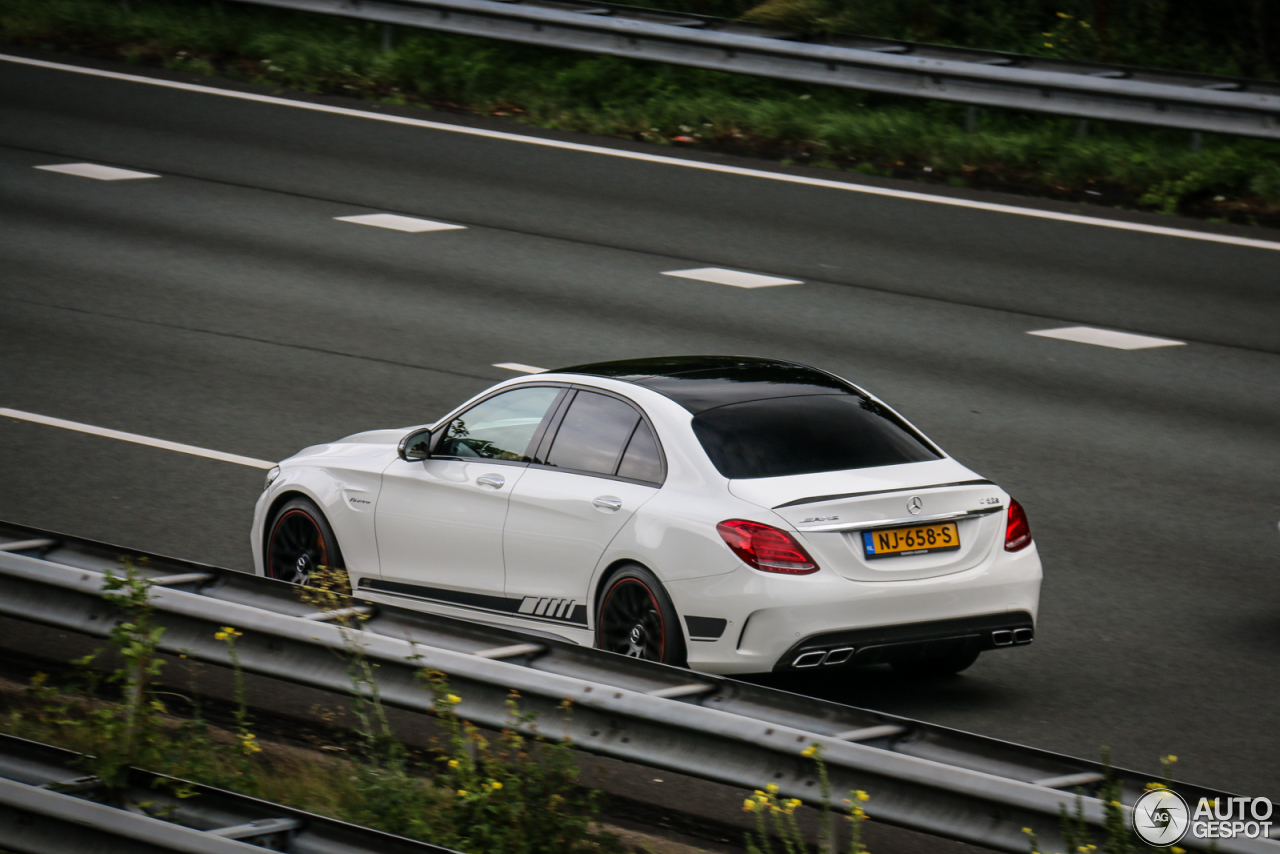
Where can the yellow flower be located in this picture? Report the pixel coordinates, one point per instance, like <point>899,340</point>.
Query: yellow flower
<point>453,763</point>
<point>1063,15</point>
<point>810,751</point>
<point>453,698</point>
<point>758,793</point>
<point>748,805</point>
<point>249,743</point>
<point>772,789</point>
<point>1171,758</point>
<point>462,793</point>
<point>1176,850</point>
<point>495,785</point>
<point>793,803</point>
<point>1047,44</point>
<point>1027,831</point>
<point>863,796</point>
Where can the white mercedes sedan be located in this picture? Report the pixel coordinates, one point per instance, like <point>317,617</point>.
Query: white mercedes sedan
<point>730,514</point>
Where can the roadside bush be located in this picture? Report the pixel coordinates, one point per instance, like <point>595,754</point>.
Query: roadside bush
<point>1041,155</point>
<point>505,794</point>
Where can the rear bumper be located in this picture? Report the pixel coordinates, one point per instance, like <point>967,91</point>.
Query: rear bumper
<point>772,619</point>
<point>877,645</point>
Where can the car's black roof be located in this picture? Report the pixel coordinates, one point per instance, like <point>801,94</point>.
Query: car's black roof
<point>699,383</point>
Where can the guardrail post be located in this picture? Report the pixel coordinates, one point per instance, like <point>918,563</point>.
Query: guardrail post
<point>1197,140</point>
<point>1082,128</point>
<point>388,36</point>
<point>970,119</point>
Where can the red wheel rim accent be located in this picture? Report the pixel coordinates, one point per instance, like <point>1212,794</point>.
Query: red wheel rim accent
<point>631,624</point>
<point>296,547</point>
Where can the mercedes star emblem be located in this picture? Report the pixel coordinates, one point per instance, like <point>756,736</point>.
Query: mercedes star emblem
<point>915,505</point>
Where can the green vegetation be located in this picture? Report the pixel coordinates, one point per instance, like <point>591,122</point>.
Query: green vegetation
<point>1228,179</point>
<point>1236,39</point>
<point>503,794</point>
<point>509,795</point>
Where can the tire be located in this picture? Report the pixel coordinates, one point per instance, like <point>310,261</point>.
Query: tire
<point>300,543</point>
<point>636,618</point>
<point>935,660</point>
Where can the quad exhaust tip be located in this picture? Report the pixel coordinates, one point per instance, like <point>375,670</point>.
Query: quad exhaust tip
<point>841,655</point>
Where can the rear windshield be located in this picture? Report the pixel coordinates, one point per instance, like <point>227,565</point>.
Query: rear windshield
<point>802,435</point>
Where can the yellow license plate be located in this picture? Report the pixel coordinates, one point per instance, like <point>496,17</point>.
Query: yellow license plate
<point>916,540</point>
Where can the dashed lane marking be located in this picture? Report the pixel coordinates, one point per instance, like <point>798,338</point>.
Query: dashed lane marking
<point>722,168</point>
<point>96,171</point>
<point>1107,338</point>
<point>735,278</point>
<point>396,222</point>
<point>519,368</point>
<point>135,438</point>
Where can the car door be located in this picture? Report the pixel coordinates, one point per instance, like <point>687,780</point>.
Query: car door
<point>439,521</point>
<point>601,465</point>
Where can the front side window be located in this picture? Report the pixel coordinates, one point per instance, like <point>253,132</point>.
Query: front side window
<point>803,435</point>
<point>593,433</point>
<point>500,428</point>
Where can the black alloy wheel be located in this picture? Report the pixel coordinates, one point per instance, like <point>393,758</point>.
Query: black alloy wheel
<point>300,543</point>
<point>638,620</point>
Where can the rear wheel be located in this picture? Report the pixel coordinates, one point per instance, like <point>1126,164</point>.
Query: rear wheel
<point>935,659</point>
<point>301,545</point>
<point>637,619</point>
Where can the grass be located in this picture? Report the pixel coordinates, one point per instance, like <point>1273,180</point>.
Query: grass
<point>508,793</point>
<point>1228,179</point>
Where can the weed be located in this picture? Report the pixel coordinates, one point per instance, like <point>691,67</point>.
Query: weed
<point>1124,166</point>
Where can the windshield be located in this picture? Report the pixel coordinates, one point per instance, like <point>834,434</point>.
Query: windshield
<point>803,435</point>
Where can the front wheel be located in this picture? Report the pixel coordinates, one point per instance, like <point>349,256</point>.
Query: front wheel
<point>301,544</point>
<point>637,619</point>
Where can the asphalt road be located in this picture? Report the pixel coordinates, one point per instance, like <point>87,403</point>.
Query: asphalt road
<point>221,305</point>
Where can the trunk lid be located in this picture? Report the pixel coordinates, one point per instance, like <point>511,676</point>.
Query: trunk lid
<point>830,510</point>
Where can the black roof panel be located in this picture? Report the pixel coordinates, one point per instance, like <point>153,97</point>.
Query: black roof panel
<point>699,383</point>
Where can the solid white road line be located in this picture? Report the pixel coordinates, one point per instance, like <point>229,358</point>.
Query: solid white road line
<point>658,158</point>
<point>1107,338</point>
<point>96,171</point>
<point>519,368</point>
<point>135,438</point>
<point>736,278</point>
<point>399,223</point>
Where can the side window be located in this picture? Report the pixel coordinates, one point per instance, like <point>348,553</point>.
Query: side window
<point>499,428</point>
<point>592,434</point>
<point>642,461</point>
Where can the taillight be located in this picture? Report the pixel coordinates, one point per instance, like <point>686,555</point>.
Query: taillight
<point>1017,534</point>
<point>766,548</point>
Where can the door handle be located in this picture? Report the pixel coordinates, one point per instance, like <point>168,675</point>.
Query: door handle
<point>494,480</point>
<point>608,502</point>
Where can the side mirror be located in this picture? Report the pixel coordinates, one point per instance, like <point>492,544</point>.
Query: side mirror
<point>416,446</point>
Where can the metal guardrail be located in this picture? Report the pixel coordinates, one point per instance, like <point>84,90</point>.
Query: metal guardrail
<point>36,818</point>
<point>921,776</point>
<point>1198,103</point>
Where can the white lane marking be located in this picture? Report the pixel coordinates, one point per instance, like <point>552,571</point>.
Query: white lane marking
<point>96,171</point>
<point>658,158</point>
<point>1107,338</point>
<point>736,278</point>
<point>519,368</point>
<point>399,223</point>
<point>135,438</point>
